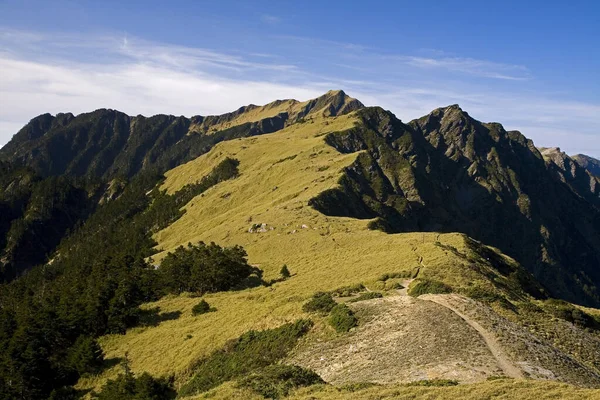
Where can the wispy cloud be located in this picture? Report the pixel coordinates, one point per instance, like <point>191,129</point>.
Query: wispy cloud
<point>472,66</point>
<point>60,73</point>
<point>270,19</point>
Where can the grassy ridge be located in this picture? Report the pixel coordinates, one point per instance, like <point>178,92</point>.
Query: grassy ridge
<point>278,175</point>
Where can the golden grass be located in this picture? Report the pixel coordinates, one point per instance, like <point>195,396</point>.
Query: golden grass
<point>501,389</point>
<point>258,113</point>
<point>279,174</point>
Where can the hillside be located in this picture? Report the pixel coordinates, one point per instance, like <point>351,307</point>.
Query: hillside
<point>95,154</point>
<point>279,175</point>
<point>394,221</point>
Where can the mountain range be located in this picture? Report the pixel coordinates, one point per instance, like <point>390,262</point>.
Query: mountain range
<point>467,250</point>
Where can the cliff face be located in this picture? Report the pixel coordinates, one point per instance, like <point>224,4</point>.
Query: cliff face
<point>447,172</point>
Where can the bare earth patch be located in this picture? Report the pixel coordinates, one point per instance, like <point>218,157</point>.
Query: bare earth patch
<point>401,339</point>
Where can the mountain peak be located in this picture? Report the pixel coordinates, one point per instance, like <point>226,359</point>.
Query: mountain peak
<point>330,104</point>
<point>589,163</point>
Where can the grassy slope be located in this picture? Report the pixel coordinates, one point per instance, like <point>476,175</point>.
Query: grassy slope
<point>505,389</point>
<point>274,188</point>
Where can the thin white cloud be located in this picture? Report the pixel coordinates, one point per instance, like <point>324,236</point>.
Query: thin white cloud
<point>472,66</point>
<point>65,73</point>
<point>270,19</point>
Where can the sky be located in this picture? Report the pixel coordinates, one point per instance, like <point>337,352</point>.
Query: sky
<point>531,65</point>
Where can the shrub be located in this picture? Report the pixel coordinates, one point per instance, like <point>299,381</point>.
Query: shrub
<point>321,302</point>
<point>144,387</point>
<point>346,291</point>
<point>392,275</point>
<point>366,296</point>
<point>251,351</point>
<point>342,318</point>
<point>285,272</point>
<point>568,312</point>
<point>357,386</point>
<point>434,382</point>
<point>201,308</point>
<point>423,286</point>
<point>277,381</point>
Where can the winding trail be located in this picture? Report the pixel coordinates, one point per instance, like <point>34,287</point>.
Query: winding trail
<point>501,357</point>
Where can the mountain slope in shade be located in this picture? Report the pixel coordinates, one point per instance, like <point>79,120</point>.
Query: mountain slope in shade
<point>108,143</point>
<point>449,172</point>
<point>589,163</point>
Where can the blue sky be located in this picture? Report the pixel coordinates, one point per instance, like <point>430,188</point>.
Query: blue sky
<point>532,66</point>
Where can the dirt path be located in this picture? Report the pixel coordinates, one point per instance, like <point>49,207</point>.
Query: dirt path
<point>405,283</point>
<point>503,361</point>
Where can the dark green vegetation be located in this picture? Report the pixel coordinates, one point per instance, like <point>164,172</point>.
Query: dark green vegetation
<point>346,291</point>
<point>285,272</point>
<point>35,214</point>
<point>321,302</point>
<point>276,381</point>
<point>434,382</point>
<point>201,308</point>
<point>568,312</point>
<point>424,286</point>
<point>342,318</point>
<point>109,144</point>
<point>129,387</point>
<point>205,268</point>
<point>249,353</point>
<point>447,172</point>
<point>366,296</point>
<point>95,284</point>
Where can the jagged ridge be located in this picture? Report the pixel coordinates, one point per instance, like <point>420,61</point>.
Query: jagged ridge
<point>108,143</point>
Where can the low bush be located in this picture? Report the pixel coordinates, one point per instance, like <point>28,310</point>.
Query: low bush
<point>366,296</point>
<point>342,318</point>
<point>423,286</point>
<point>346,291</point>
<point>285,272</point>
<point>144,387</point>
<point>392,275</point>
<point>251,351</point>
<point>202,308</point>
<point>321,302</point>
<point>357,386</point>
<point>276,381</point>
<point>434,382</point>
<point>568,312</point>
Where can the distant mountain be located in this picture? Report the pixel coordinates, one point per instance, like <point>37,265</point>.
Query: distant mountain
<point>589,163</point>
<point>108,143</point>
<point>56,169</point>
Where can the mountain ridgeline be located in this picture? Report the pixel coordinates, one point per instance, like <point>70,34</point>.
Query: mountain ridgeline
<point>104,220</point>
<point>108,144</point>
<point>444,172</point>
